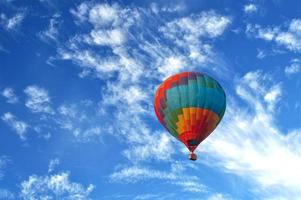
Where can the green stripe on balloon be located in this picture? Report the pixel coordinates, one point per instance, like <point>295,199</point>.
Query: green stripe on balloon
<point>207,98</point>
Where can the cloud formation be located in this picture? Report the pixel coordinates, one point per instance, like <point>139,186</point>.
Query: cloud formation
<point>249,144</point>
<point>285,36</point>
<point>293,68</point>
<point>17,125</point>
<point>175,177</point>
<point>51,33</point>
<point>10,95</point>
<point>38,100</point>
<point>56,186</point>
<point>13,22</point>
<point>250,8</point>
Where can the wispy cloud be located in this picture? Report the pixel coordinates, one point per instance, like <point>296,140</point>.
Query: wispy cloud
<point>5,193</point>
<point>3,162</point>
<point>149,147</point>
<point>249,143</point>
<point>13,22</point>
<point>56,186</point>
<point>52,164</point>
<point>147,196</point>
<point>188,33</point>
<point>10,95</point>
<point>174,7</point>
<point>77,119</point>
<point>286,36</point>
<point>51,33</point>
<point>192,28</point>
<point>174,176</point>
<point>293,68</point>
<point>19,126</point>
<point>257,81</point>
<point>121,34</point>
<point>38,100</point>
<point>218,197</point>
<point>261,54</point>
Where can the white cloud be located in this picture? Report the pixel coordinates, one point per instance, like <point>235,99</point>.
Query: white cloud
<point>76,119</point>
<point>13,22</point>
<point>218,197</point>
<point>250,8</point>
<point>10,95</point>
<point>91,62</point>
<point>267,34</point>
<point>148,147</point>
<point>133,95</point>
<point>289,37</point>
<point>52,164</point>
<point>170,8</point>
<point>259,89</point>
<point>146,196</point>
<point>294,68</point>
<point>171,65</point>
<point>19,126</point>
<point>68,111</point>
<point>38,100</point>
<point>104,14</point>
<point>5,193</point>
<point>288,40</point>
<point>52,31</point>
<point>131,46</point>
<point>107,37</point>
<point>257,81</point>
<point>88,134</point>
<point>3,163</point>
<point>188,34</point>
<point>254,148</point>
<point>257,31</point>
<point>273,94</point>
<point>295,26</point>
<point>81,11</point>
<point>261,54</point>
<point>206,24</point>
<point>57,186</point>
<point>174,176</point>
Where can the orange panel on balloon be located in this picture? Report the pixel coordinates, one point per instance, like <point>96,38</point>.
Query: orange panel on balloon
<point>196,120</point>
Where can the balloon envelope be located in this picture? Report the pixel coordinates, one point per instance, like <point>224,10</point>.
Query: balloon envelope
<point>190,105</point>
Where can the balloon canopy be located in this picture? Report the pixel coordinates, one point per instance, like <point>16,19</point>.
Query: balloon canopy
<point>190,105</point>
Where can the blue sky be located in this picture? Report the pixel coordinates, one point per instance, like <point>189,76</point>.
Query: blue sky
<point>77,80</point>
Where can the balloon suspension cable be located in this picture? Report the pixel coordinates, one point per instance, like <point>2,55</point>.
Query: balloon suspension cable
<point>192,156</point>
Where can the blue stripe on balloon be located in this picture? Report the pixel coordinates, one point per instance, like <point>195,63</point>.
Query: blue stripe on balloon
<point>192,95</point>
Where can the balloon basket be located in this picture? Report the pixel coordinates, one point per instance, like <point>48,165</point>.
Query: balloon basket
<point>192,156</point>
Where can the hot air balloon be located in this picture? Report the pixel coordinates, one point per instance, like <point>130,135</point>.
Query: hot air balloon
<point>190,105</point>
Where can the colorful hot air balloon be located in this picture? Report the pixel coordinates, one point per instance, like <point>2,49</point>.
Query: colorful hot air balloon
<point>190,105</point>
